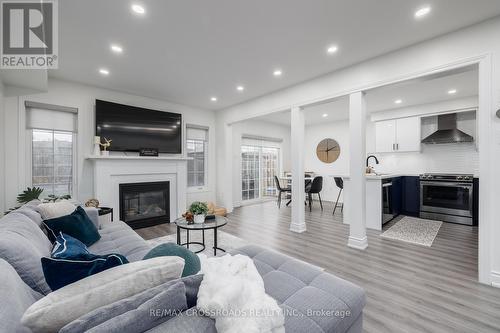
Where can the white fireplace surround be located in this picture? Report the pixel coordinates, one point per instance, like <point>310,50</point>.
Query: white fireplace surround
<point>111,171</point>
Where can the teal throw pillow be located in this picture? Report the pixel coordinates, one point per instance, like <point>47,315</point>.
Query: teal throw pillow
<point>76,224</point>
<point>191,261</point>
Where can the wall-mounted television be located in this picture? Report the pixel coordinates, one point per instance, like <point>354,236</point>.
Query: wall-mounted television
<point>132,128</point>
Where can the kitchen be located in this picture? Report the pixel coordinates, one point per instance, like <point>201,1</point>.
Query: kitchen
<point>422,134</point>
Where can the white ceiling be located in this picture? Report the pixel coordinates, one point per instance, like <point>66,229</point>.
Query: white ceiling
<point>189,50</point>
<point>414,92</point>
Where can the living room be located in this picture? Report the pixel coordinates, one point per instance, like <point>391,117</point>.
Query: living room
<point>242,124</point>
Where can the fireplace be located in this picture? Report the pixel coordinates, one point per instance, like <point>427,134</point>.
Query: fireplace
<point>145,204</point>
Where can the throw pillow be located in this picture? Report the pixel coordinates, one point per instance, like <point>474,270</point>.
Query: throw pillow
<point>67,247</point>
<point>77,225</point>
<point>108,312</point>
<point>192,262</point>
<point>154,311</point>
<point>62,306</point>
<point>61,272</point>
<point>52,210</point>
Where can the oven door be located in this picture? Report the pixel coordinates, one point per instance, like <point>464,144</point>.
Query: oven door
<point>446,198</point>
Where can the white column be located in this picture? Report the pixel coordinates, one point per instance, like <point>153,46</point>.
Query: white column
<point>227,167</point>
<point>357,183</point>
<point>298,223</point>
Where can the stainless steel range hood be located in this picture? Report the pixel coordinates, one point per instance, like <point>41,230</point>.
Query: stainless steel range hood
<point>447,131</point>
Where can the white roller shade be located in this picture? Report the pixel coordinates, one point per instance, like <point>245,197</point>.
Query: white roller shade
<point>250,140</point>
<point>197,133</point>
<point>50,118</point>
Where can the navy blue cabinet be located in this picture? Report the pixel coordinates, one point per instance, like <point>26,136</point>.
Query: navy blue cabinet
<point>410,195</point>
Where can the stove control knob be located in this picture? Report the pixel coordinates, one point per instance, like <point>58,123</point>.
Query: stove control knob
<point>467,178</point>
<point>460,177</point>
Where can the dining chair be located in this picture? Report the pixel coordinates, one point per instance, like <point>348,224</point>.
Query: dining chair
<point>280,190</point>
<point>340,184</point>
<point>315,187</point>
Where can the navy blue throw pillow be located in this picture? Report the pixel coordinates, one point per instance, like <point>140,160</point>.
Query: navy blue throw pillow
<point>61,272</point>
<point>76,224</point>
<point>67,247</point>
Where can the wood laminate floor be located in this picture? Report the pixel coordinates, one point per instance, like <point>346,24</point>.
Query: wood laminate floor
<point>410,288</point>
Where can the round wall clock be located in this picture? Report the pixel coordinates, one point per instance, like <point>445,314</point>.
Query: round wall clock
<point>328,150</point>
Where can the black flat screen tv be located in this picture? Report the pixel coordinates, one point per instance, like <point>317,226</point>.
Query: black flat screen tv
<point>132,128</point>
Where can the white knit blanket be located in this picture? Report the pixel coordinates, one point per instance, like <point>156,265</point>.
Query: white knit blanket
<point>232,292</point>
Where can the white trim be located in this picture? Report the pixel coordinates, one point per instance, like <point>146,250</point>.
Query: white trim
<point>357,243</point>
<point>495,279</point>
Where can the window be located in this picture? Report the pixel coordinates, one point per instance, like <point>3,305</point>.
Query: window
<point>52,129</point>
<point>197,149</point>
<point>260,162</point>
<point>52,161</point>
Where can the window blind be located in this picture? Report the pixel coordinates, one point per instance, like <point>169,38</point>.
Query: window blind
<point>196,133</point>
<point>51,117</point>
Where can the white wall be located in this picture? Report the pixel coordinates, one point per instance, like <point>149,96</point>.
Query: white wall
<point>262,129</point>
<point>455,48</point>
<point>2,150</point>
<point>83,97</point>
<point>338,130</point>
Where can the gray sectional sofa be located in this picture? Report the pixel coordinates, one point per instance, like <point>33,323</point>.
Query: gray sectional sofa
<point>313,300</point>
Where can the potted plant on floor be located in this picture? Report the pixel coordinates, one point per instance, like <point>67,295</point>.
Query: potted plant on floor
<point>199,210</point>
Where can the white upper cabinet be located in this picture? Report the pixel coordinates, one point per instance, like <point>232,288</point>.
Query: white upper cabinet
<point>385,136</point>
<point>397,135</point>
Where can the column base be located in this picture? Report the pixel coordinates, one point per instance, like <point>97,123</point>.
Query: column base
<point>358,243</point>
<point>298,228</point>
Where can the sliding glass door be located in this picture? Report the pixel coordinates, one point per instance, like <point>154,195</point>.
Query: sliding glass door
<point>259,165</point>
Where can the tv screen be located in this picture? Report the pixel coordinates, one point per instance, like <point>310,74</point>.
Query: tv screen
<point>132,128</point>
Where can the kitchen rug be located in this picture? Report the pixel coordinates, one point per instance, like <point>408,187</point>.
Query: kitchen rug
<point>414,230</point>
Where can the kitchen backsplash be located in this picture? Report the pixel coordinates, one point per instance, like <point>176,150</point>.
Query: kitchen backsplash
<point>443,158</point>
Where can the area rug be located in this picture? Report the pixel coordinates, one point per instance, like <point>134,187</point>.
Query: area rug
<point>414,230</point>
<point>224,240</point>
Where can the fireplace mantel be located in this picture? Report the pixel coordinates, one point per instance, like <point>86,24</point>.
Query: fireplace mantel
<point>111,171</point>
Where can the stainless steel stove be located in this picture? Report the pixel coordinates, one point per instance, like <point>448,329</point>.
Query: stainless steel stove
<point>447,197</point>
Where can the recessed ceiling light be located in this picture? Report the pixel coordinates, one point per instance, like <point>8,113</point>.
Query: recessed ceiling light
<point>116,48</point>
<point>398,101</point>
<point>240,88</point>
<point>138,9</point>
<point>213,99</point>
<point>104,71</point>
<point>452,91</point>
<point>424,11</point>
<point>332,49</point>
<point>277,72</point>
<point>325,115</point>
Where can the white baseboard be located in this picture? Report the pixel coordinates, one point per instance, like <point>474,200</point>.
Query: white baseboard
<point>298,228</point>
<point>358,243</point>
<point>495,279</point>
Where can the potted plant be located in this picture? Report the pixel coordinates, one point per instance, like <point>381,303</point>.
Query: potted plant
<point>199,210</point>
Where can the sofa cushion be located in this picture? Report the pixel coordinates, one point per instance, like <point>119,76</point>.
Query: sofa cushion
<point>67,247</point>
<point>314,301</point>
<point>15,297</point>
<point>62,306</point>
<point>61,272</point>
<point>107,312</point>
<point>118,237</point>
<point>23,244</point>
<point>77,224</point>
<point>192,261</point>
<point>51,210</point>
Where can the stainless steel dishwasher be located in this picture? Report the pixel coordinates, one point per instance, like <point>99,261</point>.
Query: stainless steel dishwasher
<point>387,207</point>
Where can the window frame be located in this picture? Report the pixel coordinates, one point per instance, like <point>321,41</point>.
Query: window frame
<point>29,158</point>
<point>206,143</point>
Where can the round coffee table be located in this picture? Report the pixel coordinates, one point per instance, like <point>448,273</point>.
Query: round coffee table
<point>214,224</point>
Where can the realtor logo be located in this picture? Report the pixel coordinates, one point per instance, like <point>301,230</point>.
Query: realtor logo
<point>29,34</point>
